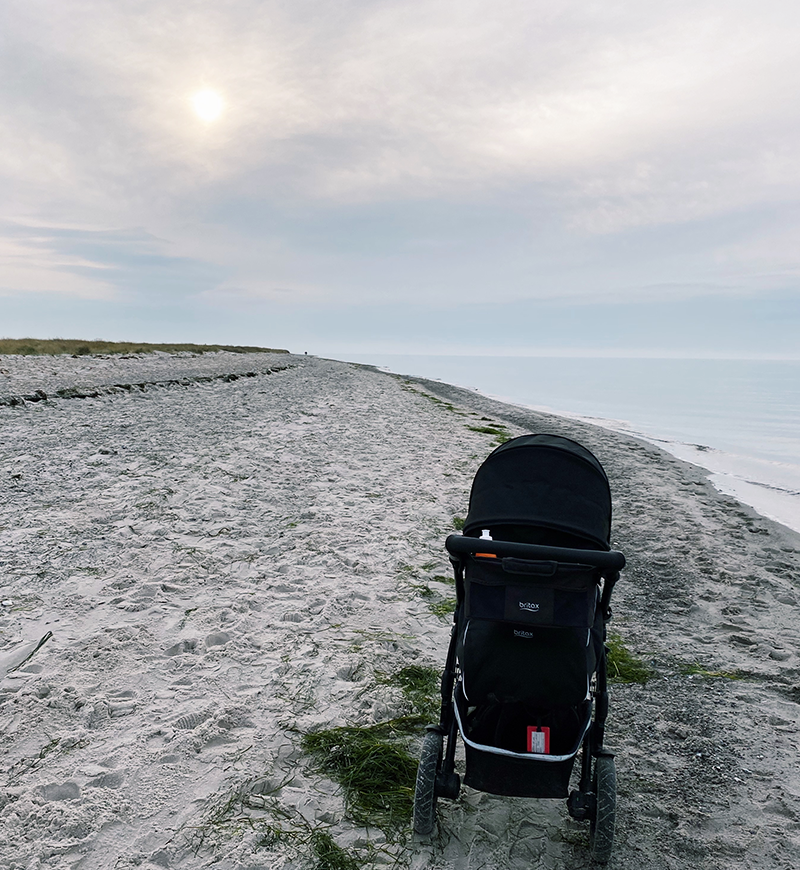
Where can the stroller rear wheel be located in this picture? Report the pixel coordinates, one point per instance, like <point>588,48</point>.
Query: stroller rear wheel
<point>425,793</point>
<point>602,824</point>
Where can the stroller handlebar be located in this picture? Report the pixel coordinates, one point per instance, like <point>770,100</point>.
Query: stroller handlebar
<point>463,545</point>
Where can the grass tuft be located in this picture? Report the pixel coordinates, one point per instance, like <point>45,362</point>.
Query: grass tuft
<point>374,767</point>
<point>458,523</point>
<point>623,666</point>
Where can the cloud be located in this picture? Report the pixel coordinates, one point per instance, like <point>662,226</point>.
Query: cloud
<point>430,151</point>
<point>245,291</point>
<point>31,261</point>
<point>90,263</point>
<point>368,100</point>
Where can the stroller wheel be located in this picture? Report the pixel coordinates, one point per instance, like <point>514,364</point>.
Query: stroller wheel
<point>425,792</point>
<point>602,825</point>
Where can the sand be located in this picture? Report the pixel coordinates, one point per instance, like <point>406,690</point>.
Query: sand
<point>227,562</point>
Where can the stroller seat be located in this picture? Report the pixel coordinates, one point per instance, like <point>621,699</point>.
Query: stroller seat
<point>512,664</point>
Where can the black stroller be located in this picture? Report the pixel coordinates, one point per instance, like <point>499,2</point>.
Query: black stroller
<point>527,658</point>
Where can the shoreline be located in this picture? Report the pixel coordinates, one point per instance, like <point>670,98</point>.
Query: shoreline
<point>526,417</point>
<point>230,563</point>
<point>770,486</point>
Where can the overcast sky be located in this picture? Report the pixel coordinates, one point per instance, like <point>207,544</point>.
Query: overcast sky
<point>403,175</point>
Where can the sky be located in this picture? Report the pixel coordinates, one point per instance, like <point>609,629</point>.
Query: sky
<point>403,176</point>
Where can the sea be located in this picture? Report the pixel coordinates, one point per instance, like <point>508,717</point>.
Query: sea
<point>738,418</point>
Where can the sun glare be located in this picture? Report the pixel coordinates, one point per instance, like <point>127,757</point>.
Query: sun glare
<point>207,104</point>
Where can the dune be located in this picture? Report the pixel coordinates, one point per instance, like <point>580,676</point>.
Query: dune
<point>226,552</point>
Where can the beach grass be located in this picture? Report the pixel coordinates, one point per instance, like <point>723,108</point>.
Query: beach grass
<point>81,347</point>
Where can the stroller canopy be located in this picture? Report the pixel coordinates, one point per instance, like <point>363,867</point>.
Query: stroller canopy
<point>542,481</point>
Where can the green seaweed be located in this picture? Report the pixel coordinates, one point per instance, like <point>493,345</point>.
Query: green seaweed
<point>497,429</point>
<point>698,670</point>
<point>424,590</point>
<point>420,685</point>
<point>623,666</point>
<point>374,767</point>
<point>229,816</point>
<point>443,608</point>
<point>329,855</point>
<point>487,430</point>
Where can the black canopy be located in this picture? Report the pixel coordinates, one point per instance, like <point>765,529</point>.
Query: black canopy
<point>545,482</point>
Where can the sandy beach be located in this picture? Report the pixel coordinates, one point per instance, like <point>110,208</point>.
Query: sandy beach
<point>233,550</point>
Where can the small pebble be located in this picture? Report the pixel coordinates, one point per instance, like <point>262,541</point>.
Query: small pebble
<point>7,602</point>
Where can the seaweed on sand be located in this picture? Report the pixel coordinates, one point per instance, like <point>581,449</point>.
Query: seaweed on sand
<point>420,685</point>
<point>623,665</point>
<point>374,767</point>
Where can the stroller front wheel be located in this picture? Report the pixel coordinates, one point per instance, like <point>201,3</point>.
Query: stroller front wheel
<point>425,791</point>
<point>602,824</point>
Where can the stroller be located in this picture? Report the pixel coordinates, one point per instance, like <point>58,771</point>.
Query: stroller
<point>527,658</point>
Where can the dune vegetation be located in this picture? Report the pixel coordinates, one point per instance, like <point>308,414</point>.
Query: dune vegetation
<point>80,347</point>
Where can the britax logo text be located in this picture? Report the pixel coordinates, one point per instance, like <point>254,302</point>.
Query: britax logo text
<point>529,605</point>
<point>520,633</point>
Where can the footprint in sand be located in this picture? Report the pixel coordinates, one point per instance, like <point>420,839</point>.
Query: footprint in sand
<point>190,721</point>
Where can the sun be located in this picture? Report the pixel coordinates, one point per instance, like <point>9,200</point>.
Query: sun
<point>207,104</point>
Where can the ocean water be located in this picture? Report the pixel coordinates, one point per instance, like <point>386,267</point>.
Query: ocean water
<point>740,419</point>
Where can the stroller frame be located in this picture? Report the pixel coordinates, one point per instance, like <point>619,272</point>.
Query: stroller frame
<point>595,798</point>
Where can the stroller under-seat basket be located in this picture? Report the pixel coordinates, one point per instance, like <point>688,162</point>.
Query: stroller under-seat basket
<point>489,728</point>
<point>517,678</point>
